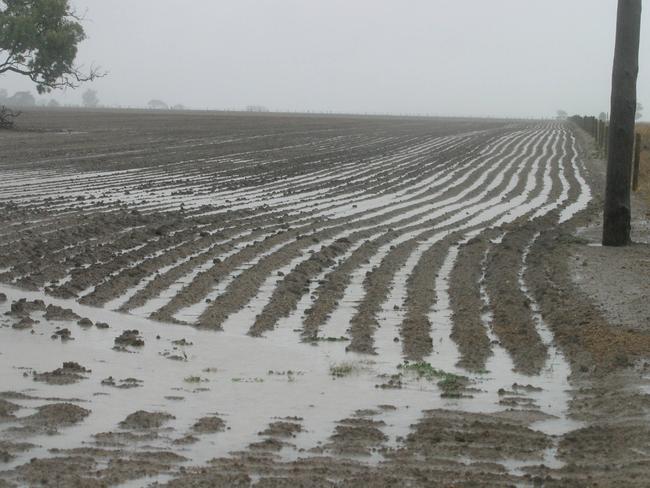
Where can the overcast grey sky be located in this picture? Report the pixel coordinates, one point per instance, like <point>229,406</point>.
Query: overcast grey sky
<point>444,57</point>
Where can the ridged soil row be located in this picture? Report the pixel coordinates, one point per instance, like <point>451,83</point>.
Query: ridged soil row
<point>420,286</point>
<point>187,239</point>
<point>513,321</point>
<point>204,282</point>
<point>378,281</point>
<point>281,303</point>
<point>163,280</point>
<point>167,177</point>
<point>199,289</point>
<point>33,247</point>
<point>137,174</point>
<point>334,285</point>
<point>579,327</point>
<point>241,288</point>
<point>166,244</point>
<point>468,327</point>
<point>204,244</point>
<point>90,250</point>
<point>415,329</point>
<point>295,284</point>
<point>366,184</point>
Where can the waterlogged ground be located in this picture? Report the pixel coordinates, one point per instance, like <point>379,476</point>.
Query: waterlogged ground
<point>203,299</point>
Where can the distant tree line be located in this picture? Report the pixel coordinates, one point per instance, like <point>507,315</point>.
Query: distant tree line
<point>18,99</point>
<point>89,99</point>
<point>256,108</point>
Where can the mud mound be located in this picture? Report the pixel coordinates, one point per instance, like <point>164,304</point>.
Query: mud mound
<point>269,445</point>
<point>22,307</point>
<point>9,450</point>
<point>90,469</point>
<point>54,312</point>
<point>446,433</point>
<point>50,417</point>
<point>69,373</point>
<point>465,299</point>
<point>24,323</point>
<point>142,420</point>
<point>123,439</point>
<point>209,425</point>
<point>124,384</point>
<point>63,334</point>
<point>282,429</point>
<point>7,409</point>
<point>356,436</point>
<point>129,338</point>
<point>85,322</point>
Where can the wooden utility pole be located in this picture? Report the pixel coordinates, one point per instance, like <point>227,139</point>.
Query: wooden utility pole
<point>617,215</point>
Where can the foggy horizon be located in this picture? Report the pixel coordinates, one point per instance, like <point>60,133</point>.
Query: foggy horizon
<point>511,58</point>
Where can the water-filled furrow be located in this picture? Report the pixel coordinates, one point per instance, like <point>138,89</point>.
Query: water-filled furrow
<point>339,280</point>
<point>218,310</point>
<point>198,296</point>
<point>407,252</point>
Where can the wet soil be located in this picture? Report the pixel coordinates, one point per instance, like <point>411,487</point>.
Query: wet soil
<point>467,306</point>
<point>153,214</point>
<point>69,373</point>
<point>209,425</point>
<point>512,320</point>
<point>142,420</point>
<point>51,417</point>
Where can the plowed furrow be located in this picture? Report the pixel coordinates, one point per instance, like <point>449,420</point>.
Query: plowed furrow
<point>512,318</point>
<point>468,330</point>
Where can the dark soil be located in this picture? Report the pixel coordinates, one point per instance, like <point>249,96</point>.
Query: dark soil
<point>142,420</point>
<point>69,373</point>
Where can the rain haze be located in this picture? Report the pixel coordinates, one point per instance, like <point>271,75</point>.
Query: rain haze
<point>324,243</point>
<point>461,58</point>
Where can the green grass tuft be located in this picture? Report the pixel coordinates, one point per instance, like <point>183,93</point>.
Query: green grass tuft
<point>449,383</point>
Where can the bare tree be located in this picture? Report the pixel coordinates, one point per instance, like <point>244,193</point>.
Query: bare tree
<point>7,117</point>
<point>90,99</point>
<point>22,99</point>
<point>157,105</point>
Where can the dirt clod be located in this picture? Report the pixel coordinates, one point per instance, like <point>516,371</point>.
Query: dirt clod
<point>69,373</point>
<point>207,425</point>
<point>54,312</point>
<point>129,338</point>
<point>85,322</point>
<point>142,420</point>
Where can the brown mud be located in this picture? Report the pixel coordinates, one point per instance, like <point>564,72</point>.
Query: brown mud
<point>97,238</point>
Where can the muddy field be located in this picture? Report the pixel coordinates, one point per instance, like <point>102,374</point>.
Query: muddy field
<point>213,299</point>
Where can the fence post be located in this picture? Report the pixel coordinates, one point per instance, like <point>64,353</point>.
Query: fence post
<point>637,162</point>
<point>601,132</point>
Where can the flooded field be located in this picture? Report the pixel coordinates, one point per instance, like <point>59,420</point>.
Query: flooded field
<point>203,299</point>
